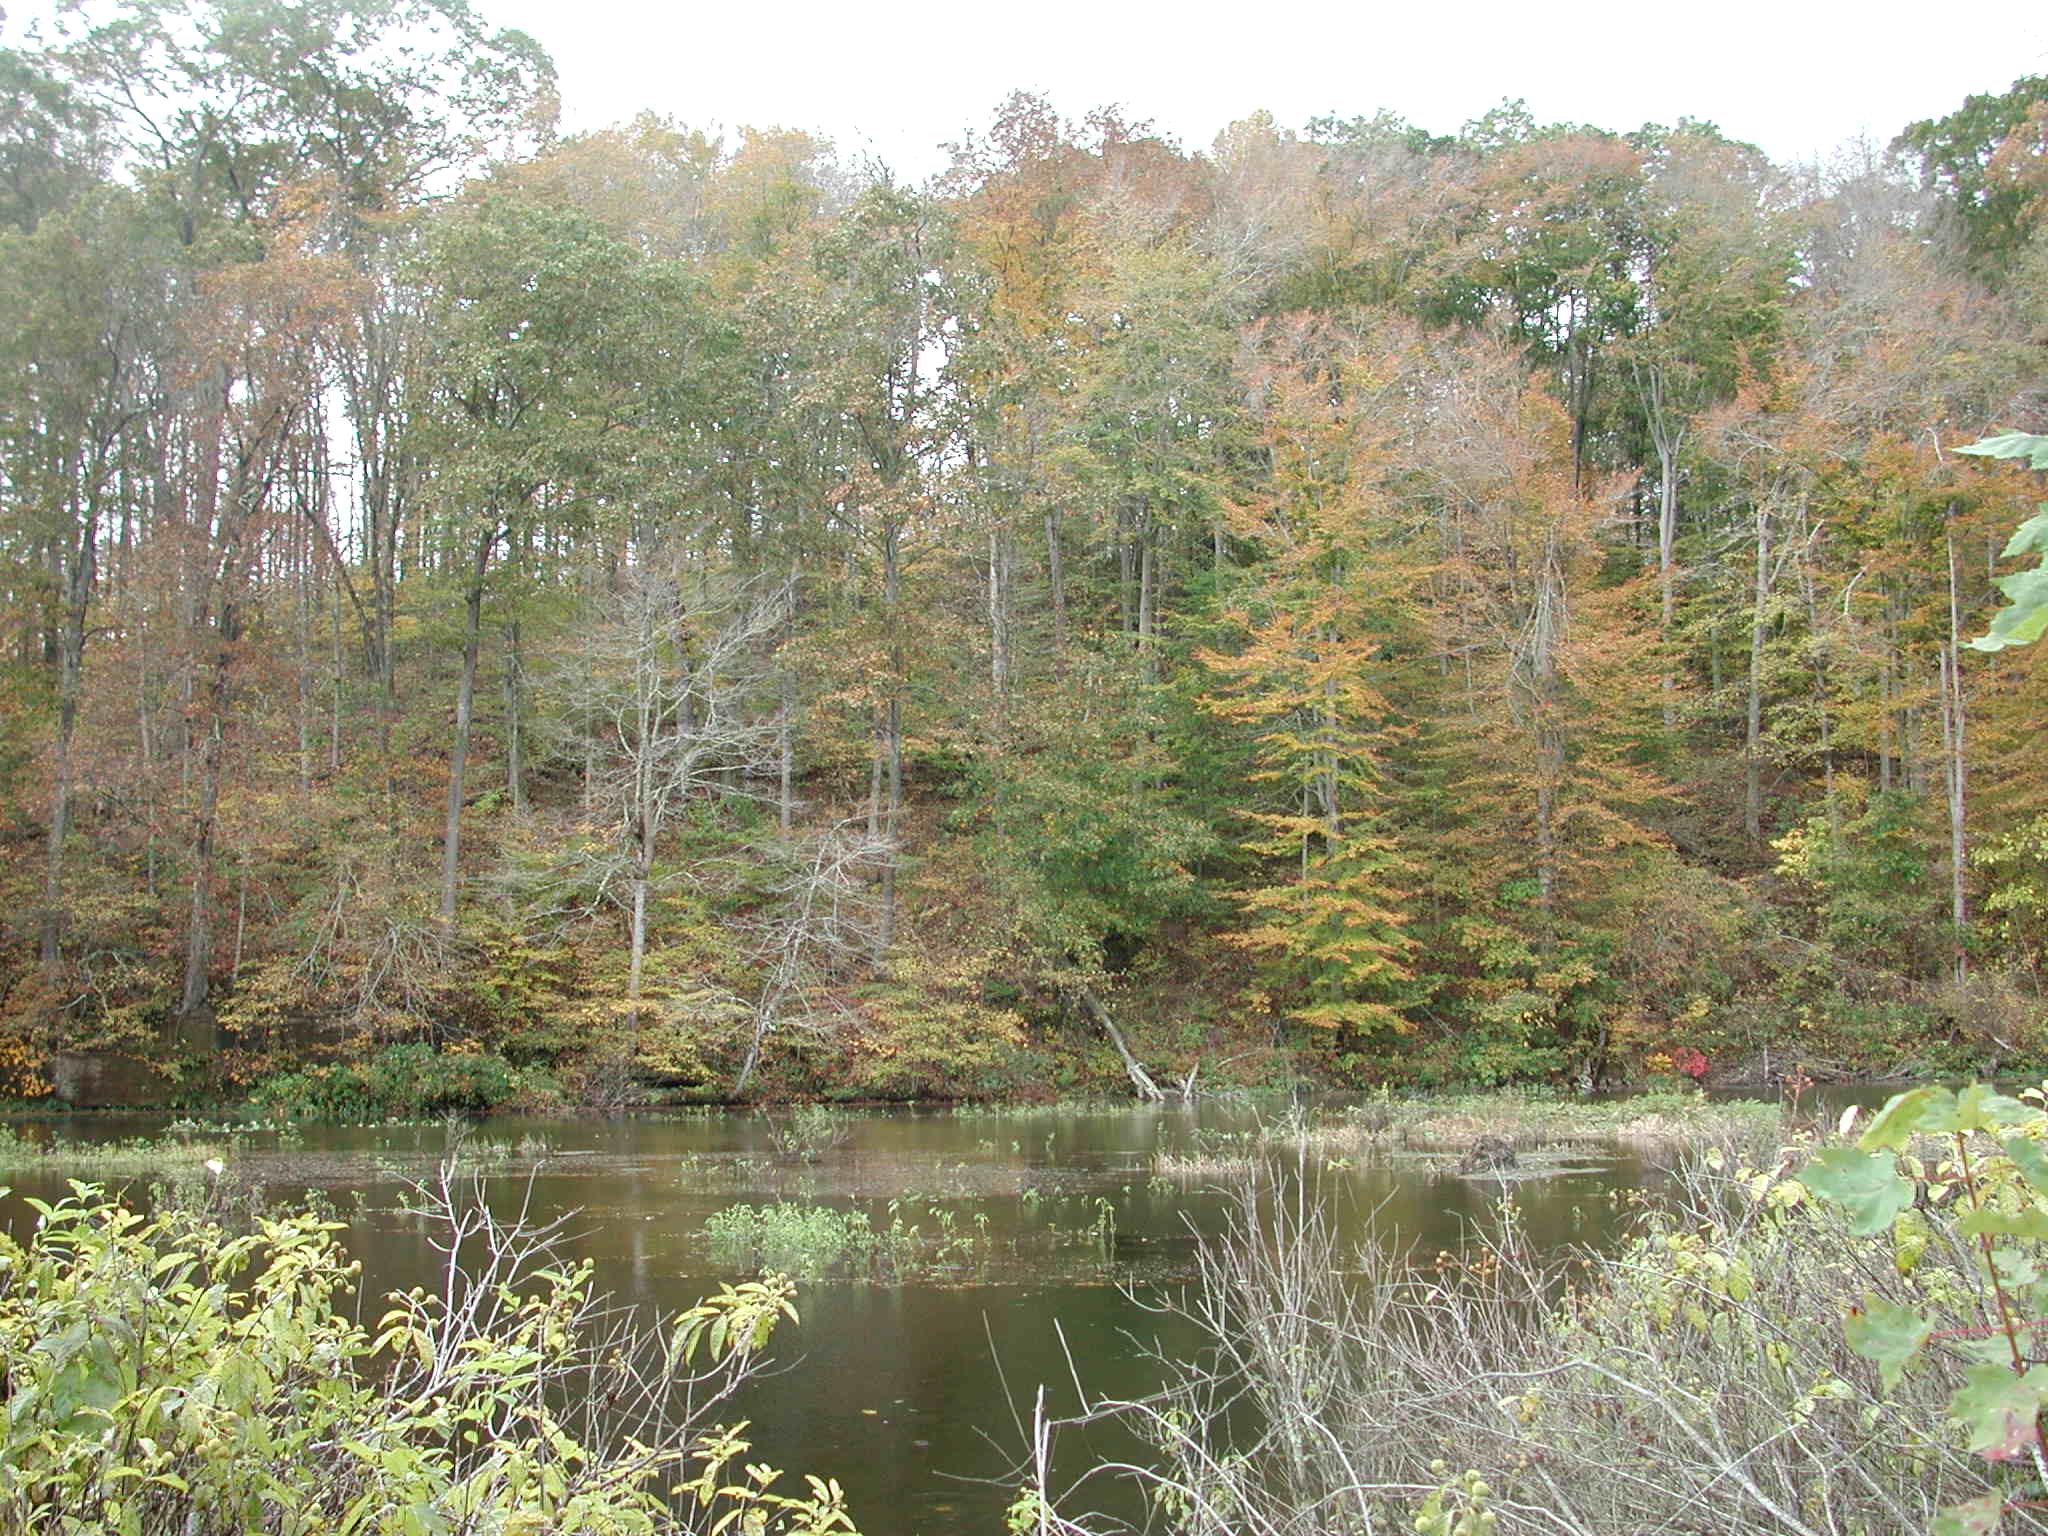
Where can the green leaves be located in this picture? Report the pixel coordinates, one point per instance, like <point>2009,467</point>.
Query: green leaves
<point>1935,1111</point>
<point>91,1372</point>
<point>1980,1107</point>
<point>2000,1402</point>
<point>171,1403</point>
<point>1976,1517</point>
<point>1866,1186</point>
<point>2012,445</point>
<point>1923,1111</point>
<point>2032,1162</point>
<point>1988,1221</point>
<point>2030,537</point>
<point>1889,1334</point>
<point>2000,1409</point>
<point>736,1322</point>
<point>2024,619</point>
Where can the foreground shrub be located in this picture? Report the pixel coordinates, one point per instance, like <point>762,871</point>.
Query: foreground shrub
<point>166,1375</point>
<point>1697,1379</point>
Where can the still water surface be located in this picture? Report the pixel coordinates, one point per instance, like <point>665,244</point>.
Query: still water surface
<point>909,1392</point>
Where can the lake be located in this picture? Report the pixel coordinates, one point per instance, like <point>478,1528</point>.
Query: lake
<point>1042,1237</point>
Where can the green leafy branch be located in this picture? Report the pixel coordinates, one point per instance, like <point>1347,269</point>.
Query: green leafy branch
<point>1998,1178</point>
<point>2025,617</point>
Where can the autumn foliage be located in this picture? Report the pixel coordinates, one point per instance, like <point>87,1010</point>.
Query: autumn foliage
<point>672,614</point>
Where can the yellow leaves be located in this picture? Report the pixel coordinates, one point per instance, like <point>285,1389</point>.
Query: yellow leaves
<point>1356,1017</point>
<point>1796,852</point>
<point>1911,1234</point>
<point>1576,971</point>
<point>21,1067</point>
<point>1526,1408</point>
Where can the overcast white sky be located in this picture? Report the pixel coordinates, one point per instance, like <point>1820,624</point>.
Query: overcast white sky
<point>1796,77</point>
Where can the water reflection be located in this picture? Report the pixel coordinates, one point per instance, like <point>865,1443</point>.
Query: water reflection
<point>913,1393</point>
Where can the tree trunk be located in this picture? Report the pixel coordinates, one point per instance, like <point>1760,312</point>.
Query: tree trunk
<point>892,733</point>
<point>1056,579</point>
<point>637,958</point>
<point>146,740</point>
<point>1001,559</point>
<point>217,616</point>
<point>1752,764</point>
<point>1667,444</point>
<point>1141,1080</point>
<point>302,680</point>
<point>78,584</point>
<point>1884,726</point>
<point>785,753</point>
<point>785,715</point>
<point>1127,571</point>
<point>1952,732</point>
<point>465,703</point>
<point>1546,840</point>
<point>1547,635</point>
<point>1148,660</point>
<point>1803,545</point>
<point>1901,715</point>
<point>199,913</point>
<point>515,772</point>
<point>335,670</point>
<point>876,760</point>
<point>241,918</point>
<point>885,927</point>
<point>1579,386</point>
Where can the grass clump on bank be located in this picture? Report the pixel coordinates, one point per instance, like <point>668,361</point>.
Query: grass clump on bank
<point>804,1240</point>
<point>1669,1121</point>
<point>1659,1124</point>
<point>808,1133</point>
<point>136,1157</point>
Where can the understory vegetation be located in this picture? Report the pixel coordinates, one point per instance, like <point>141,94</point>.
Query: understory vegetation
<point>1841,1339</point>
<point>200,1373</point>
<point>406,1082</point>
<point>496,617</point>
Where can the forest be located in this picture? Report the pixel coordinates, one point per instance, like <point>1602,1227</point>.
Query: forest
<point>496,616</point>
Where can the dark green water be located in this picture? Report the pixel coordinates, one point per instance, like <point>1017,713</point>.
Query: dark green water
<point>910,1392</point>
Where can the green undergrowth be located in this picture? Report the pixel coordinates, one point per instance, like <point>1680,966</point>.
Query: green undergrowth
<point>405,1082</point>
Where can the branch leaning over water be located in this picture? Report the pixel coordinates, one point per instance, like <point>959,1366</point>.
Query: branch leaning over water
<point>1141,1080</point>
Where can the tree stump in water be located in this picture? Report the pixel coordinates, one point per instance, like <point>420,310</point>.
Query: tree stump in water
<point>1487,1154</point>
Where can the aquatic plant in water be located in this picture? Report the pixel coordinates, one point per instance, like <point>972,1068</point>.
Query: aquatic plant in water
<point>806,1240</point>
